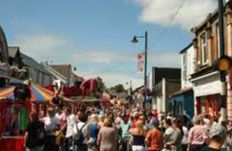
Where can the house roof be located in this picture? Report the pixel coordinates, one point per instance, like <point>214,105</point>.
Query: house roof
<point>139,89</point>
<point>55,73</point>
<point>205,21</point>
<point>212,15</point>
<point>12,51</point>
<point>77,78</point>
<point>30,62</point>
<point>64,69</point>
<point>186,48</point>
<point>3,46</point>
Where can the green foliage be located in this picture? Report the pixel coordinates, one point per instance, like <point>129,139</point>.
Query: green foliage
<point>118,88</point>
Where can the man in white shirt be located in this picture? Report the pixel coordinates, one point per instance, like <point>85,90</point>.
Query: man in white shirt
<point>71,129</point>
<point>51,124</point>
<point>62,118</point>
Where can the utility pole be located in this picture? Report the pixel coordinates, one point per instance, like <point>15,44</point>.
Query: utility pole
<point>222,53</point>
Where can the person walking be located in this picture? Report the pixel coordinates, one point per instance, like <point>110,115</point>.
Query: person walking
<point>175,139</point>
<point>52,126</point>
<point>108,137</point>
<point>93,129</point>
<point>71,130</point>
<point>138,136</point>
<point>184,141</point>
<point>197,135</point>
<point>35,134</point>
<point>217,137</point>
<point>125,136</point>
<point>168,132</point>
<point>154,138</point>
<point>82,130</point>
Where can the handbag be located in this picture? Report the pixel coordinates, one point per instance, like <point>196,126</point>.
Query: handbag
<point>59,137</point>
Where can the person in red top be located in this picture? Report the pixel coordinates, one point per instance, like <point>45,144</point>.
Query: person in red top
<point>154,138</point>
<point>155,113</point>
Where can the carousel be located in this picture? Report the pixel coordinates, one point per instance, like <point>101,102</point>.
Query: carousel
<point>16,103</point>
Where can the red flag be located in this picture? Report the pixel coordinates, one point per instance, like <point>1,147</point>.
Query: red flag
<point>140,62</point>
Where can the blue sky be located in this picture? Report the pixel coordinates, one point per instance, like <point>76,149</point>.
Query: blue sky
<point>95,35</point>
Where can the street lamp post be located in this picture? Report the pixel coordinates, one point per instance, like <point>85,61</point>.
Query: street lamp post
<point>130,87</point>
<point>135,40</point>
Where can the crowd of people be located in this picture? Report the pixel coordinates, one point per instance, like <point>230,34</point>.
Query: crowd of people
<point>124,129</point>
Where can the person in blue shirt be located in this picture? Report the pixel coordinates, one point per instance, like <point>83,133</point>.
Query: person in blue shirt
<point>125,125</point>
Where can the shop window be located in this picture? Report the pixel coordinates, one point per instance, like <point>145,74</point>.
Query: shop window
<point>184,71</point>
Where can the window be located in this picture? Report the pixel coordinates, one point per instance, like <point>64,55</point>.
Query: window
<point>184,70</point>
<point>204,55</point>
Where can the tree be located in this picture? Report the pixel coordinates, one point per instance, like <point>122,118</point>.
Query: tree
<point>118,88</point>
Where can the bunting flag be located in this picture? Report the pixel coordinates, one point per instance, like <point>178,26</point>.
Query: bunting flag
<point>140,58</point>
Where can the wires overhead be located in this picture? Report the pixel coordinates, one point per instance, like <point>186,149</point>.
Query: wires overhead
<point>162,32</point>
<point>158,37</point>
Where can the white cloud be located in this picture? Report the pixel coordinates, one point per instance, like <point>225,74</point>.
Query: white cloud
<point>102,57</point>
<point>41,46</point>
<point>111,77</point>
<point>162,11</point>
<point>114,78</point>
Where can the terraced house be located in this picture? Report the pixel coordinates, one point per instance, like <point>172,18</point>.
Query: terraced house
<point>206,81</point>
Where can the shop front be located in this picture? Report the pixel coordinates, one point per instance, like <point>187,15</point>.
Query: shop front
<point>208,105</point>
<point>182,102</point>
<point>207,90</point>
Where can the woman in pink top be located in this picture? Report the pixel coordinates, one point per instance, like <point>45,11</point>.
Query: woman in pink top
<point>197,135</point>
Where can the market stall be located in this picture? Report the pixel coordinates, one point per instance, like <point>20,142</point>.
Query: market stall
<point>91,102</point>
<point>14,113</point>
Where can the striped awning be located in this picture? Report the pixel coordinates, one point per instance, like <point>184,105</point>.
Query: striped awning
<point>38,93</point>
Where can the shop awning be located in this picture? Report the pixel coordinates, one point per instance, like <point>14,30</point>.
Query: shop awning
<point>184,90</point>
<point>38,93</point>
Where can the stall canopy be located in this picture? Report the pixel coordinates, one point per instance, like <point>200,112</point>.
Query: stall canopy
<point>38,93</point>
